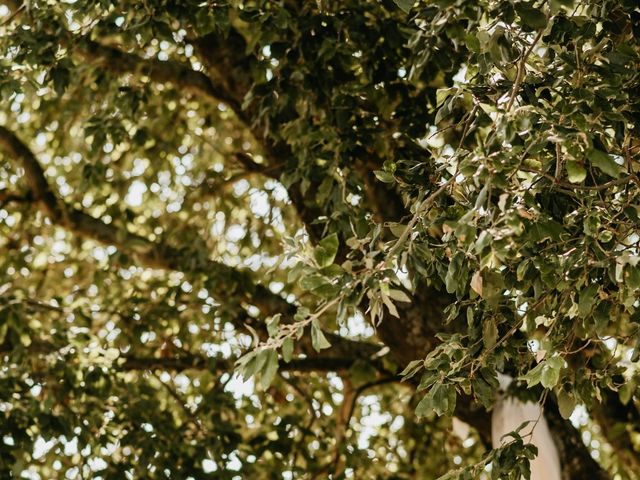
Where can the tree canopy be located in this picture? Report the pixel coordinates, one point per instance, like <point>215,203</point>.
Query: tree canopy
<point>280,239</point>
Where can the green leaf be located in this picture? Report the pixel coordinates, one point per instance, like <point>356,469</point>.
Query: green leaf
<point>424,407</point>
<point>533,376</point>
<point>441,399</point>
<point>522,269</point>
<point>60,77</point>
<point>444,111</point>
<point>576,171</point>
<point>489,333</point>
<point>254,363</point>
<point>410,370</point>
<point>427,380</point>
<point>270,369</point>
<point>470,317</point>
<point>632,276</point>
<point>311,282</point>
<point>451,279</point>
<point>272,325</point>
<point>531,17</point>
<point>399,295</point>
<point>566,404</point>
<point>404,5</point>
<point>318,340</point>
<point>483,241</point>
<point>551,372</point>
<point>587,299</point>
<point>383,176</point>
<point>327,290</point>
<point>325,252</point>
<point>626,391</point>
<point>483,391</point>
<point>604,162</point>
<point>287,349</point>
<point>361,373</point>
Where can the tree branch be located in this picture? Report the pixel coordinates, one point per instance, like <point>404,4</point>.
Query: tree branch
<point>181,75</point>
<point>572,186</point>
<point>320,363</point>
<point>237,284</point>
<point>34,175</point>
<point>8,197</point>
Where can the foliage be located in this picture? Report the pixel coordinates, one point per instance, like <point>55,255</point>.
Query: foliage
<point>230,229</point>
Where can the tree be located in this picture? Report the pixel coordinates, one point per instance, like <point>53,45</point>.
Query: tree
<point>367,209</point>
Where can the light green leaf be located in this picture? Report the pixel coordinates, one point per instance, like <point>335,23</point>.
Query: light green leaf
<point>576,171</point>
<point>272,325</point>
<point>549,377</point>
<point>397,229</point>
<point>287,349</point>
<point>566,404</point>
<point>389,304</point>
<point>311,282</point>
<point>404,5</point>
<point>383,176</point>
<point>533,376</point>
<point>443,93</point>
<point>255,362</point>
<point>411,369</point>
<point>270,368</point>
<point>551,372</point>
<point>399,295</point>
<point>318,340</point>
<point>626,391</point>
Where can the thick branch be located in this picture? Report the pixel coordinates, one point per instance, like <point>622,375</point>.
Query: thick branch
<point>231,70</point>
<point>181,75</point>
<point>236,284</point>
<point>33,173</point>
<point>310,364</point>
<point>8,197</point>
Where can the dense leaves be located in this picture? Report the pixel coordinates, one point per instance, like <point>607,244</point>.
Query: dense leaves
<point>296,239</point>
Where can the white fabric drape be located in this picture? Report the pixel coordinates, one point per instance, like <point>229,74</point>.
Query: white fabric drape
<point>508,414</point>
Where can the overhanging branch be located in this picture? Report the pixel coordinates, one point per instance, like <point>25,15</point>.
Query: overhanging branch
<point>7,196</point>
<point>181,75</point>
<point>237,284</point>
<point>320,363</point>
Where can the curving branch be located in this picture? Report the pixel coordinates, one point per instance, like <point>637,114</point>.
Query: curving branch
<point>237,284</point>
<point>181,75</point>
<point>8,197</point>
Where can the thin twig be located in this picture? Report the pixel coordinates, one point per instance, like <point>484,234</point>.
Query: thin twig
<point>13,15</point>
<point>522,69</point>
<point>423,207</point>
<point>602,186</point>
